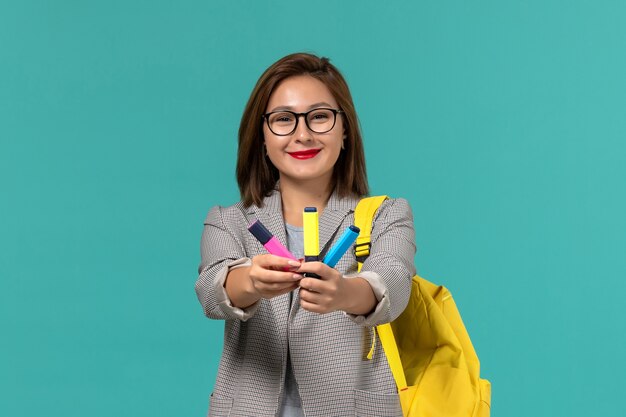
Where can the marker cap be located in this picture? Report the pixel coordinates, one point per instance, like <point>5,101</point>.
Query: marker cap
<point>260,232</point>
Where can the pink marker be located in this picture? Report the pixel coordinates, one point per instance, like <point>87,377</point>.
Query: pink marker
<point>269,241</point>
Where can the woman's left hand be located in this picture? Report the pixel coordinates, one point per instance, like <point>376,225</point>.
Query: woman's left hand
<point>332,292</point>
<point>324,294</point>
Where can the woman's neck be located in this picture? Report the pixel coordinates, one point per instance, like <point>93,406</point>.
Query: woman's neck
<point>297,196</point>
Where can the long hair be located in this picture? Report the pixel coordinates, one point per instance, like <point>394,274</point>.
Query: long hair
<point>256,175</point>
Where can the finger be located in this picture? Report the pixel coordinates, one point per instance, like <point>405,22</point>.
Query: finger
<point>318,268</point>
<point>322,272</point>
<point>311,284</point>
<point>313,308</point>
<point>269,261</point>
<point>310,296</point>
<point>269,276</point>
<point>272,290</point>
<point>275,286</point>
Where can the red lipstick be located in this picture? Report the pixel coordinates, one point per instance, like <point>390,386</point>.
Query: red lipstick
<point>308,154</point>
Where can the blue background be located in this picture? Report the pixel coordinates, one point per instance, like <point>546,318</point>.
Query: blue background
<point>502,122</point>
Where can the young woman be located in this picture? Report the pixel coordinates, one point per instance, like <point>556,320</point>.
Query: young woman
<point>297,345</point>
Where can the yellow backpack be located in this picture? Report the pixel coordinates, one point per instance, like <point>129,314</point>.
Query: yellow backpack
<point>428,349</point>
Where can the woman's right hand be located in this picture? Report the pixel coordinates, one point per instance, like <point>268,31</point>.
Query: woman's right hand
<point>272,275</point>
<point>269,276</point>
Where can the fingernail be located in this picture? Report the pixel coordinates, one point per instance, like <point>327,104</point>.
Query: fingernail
<point>297,277</point>
<point>294,263</point>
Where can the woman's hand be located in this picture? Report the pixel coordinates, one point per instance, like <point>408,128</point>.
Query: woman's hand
<point>268,277</point>
<point>333,292</point>
<point>272,275</point>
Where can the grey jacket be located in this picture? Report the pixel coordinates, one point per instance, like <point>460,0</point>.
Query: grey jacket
<point>328,351</point>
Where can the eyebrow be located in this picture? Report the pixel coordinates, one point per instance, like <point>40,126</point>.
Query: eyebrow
<point>311,107</point>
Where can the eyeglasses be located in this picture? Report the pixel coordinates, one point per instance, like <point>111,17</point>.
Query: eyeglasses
<point>284,122</point>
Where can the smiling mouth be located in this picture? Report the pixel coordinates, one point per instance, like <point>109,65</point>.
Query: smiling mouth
<point>311,153</point>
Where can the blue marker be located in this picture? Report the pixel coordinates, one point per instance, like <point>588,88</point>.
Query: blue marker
<point>345,241</point>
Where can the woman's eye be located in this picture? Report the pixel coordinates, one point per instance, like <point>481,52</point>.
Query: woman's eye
<point>319,116</point>
<point>283,118</point>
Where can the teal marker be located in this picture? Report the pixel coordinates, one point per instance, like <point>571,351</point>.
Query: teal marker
<point>345,242</point>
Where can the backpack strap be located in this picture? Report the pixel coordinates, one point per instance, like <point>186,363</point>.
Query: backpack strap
<point>363,218</point>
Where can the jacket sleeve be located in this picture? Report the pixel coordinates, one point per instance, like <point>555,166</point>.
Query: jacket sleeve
<point>221,251</point>
<point>390,267</point>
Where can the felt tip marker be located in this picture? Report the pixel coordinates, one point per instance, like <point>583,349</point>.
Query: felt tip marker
<point>310,220</point>
<point>345,241</point>
<point>269,241</point>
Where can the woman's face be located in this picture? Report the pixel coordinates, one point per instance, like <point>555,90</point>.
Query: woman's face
<point>304,155</point>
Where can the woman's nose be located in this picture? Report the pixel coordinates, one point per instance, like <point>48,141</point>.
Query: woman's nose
<point>302,133</point>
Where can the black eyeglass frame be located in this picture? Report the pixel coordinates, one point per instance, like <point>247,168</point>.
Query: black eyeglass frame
<point>266,116</point>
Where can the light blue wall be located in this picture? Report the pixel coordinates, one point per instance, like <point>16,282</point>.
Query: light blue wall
<point>502,122</point>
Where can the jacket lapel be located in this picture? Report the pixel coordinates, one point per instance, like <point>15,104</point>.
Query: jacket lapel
<point>271,215</point>
<point>332,217</point>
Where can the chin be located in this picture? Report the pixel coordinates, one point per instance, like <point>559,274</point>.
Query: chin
<point>309,176</point>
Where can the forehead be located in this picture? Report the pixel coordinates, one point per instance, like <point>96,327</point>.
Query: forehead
<point>300,93</point>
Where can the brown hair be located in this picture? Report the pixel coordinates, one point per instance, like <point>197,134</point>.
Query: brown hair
<point>256,175</point>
